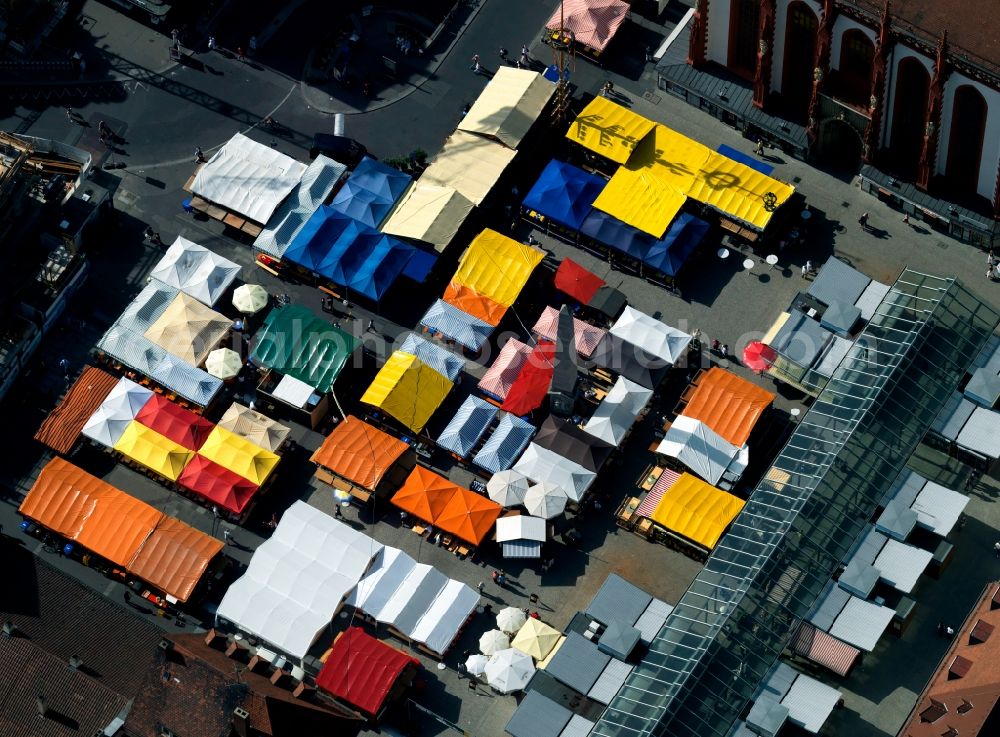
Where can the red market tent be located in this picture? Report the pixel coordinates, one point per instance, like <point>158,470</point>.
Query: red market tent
<point>173,421</point>
<point>593,22</point>
<point>532,384</point>
<point>363,671</point>
<point>576,281</point>
<point>217,484</point>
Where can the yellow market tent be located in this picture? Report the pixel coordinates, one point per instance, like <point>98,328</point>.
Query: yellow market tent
<point>429,214</point>
<point>154,451</point>
<point>609,129</point>
<point>739,191</point>
<point>188,329</point>
<point>535,638</point>
<point>696,510</point>
<point>408,389</point>
<point>672,158</point>
<point>238,455</point>
<point>641,200</point>
<point>469,164</point>
<point>507,107</point>
<point>496,267</point>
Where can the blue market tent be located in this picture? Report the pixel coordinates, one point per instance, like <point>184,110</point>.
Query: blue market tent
<point>380,179</point>
<point>670,252</point>
<point>564,194</point>
<point>505,445</point>
<point>361,204</point>
<point>467,426</point>
<point>612,232</point>
<point>325,234</point>
<point>745,159</point>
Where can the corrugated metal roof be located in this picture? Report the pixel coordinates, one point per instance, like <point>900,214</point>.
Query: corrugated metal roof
<point>900,565</point>
<point>989,356</point>
<point>830,605</point>
<point>871,544</point>
<point>505,445</point>
<point>981,432</point>
<point>953,416</point>
<point>780,680</point>
<point>810,703</point>
<point>870,299</point>
<point>897,520</point>
<point>838,282</point>
<point>861,623</point>
<point>62,427</point>
<point>538,716</point>
<point>610,680</point>
<point>578,727</point>
<point>859,578</point>
<point>938,508</point>
<point>767,716</point>
<point>651,620</point>
<point>578,663</point>
<point>617,599</point>
<point>905,488</point>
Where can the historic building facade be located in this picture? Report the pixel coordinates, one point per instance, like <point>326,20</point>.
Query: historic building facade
<point>908,89</point>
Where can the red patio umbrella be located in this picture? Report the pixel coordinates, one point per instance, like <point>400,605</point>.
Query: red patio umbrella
<point>758,357</point>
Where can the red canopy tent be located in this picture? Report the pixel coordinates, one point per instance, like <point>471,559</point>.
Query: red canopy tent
<point>217,484</point>
<point>576,281</point>
<point>593,22</point>
<point>173,421</point>
<point>362,671</point>
<point>532,384</point>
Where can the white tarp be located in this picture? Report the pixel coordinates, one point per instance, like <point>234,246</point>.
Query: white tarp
<point>247,177</point>
<point>196,271</point>
<point>651,335</point>
<point>116,412</point>
<point>900,565</point>
<point>810,703</point>
<point>298,579</point>
<point>440,624</point>
<point>938,508</point>
<point>412,599</point>
<point>541,464</point>
<point>520,527</point>
<point>616,413</point>
<point>700,449</point>
<point>389,569</point>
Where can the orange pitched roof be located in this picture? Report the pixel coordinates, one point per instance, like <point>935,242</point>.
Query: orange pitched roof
<point>472,303</point>
<point>62,427</point>
<point>174,557</point>
<point>966,685</point>
<point>469,516</point>
<point>359,452</point>
<point>425,494</point>
<point>728,404</point>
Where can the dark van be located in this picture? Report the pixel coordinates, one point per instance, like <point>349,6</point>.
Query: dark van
<point>339,148</point>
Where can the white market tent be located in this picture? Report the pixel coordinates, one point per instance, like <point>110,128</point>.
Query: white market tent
<point>853,620</point>
<point>898,564</point>
<point>298,579</point>
<point>616,413</point>
<point>440,624</point>
<point>981,433</point>
<point>247,177</point>
<point>808,701</point>
<point>116,412</point>
<point>653,336</point>
<point>196,271</point>
<point>702,450</point>
<point>937,508</point>
<point>541,464</point>
<point>520,527</point>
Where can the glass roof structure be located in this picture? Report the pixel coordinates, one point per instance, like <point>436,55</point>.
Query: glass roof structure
<point>766,574</point>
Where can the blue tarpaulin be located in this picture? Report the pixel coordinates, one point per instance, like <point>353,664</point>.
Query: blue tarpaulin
<point>612,232</point>
<point>665,254</point>
<point>745,159</point>
<point>371,192</point>
<point>381,179</point>
<point>564,194</point>
<point>319,239</point>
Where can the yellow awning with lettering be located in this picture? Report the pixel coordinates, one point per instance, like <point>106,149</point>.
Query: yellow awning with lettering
<point>609,129</point>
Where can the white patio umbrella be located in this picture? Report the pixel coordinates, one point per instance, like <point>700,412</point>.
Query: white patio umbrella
<point>511,619</point>
<point>509,670</point>
<point>476,664</point>
<point>223,363</point>
<point>546,500</point>
<point>493,641</point>
<point>250,298</point>
<point>507,488</point>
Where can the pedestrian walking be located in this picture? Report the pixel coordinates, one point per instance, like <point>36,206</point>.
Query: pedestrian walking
<point>370,328</point>
<point>906,219</point>
<point>809,267</point>
<point>716,345</point>
<point>522,63</point>
<point>608,88</point>
<point>476,66</point>
<point>863,221</point>
<point>996,548</point>
<point>759,150</point>
<point>940,629</point>
<point>525,54</point>
<point>227,537</point>
<point>70,115</point>
<point>949,631</point>
<point>211,43</point>
<point>239,53</point>
<point>252,46</point>
<point>337,512</point>
<point>199,155</point>
<point>480,586</point>
<point>175,35</point>
<point>503,54</point>
<point>725,350</point>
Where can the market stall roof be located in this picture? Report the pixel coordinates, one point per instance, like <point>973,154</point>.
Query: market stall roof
<point>577,663</point>
<point>174,557</point>
<point>608,301</point>
<point>377,186</point>
<point>259,429</point>
<point>408,389</point>
<point>897,520</point>
<point>505,369</point>
<point>817,646</point>
<point>384,580</point>
<point>172,421</point>
<point>538,716</point>
<point>618,599</point>
<point>453,323</point>
<point>444,619</point>
<point>425,494</point>
<point>569,441</point>
<point>737,191</point>
<point>871,298</point>
<point>189,330</point>
<point>297,579</point>
<point>840,318</point>
<point>362,671</point>
<point>899,565</point>
<point>322,240</point>
<point>508,106</point>
<point>630,361</point>
<point>697,510</point>
<point>564,194</point>
<point>647,203</point>
<point>429,214</point>
<point>154,451</point>
<point>469,164</point>
<point>577,282</point>
<point>801,339</point>
<point>981,432</point>
<point>248,178</point>
<point>808,702</point>
<point>239,455</point>
<point>196,271</point>
<point>62,427</point>
<point>984,387</point>
<point>610,231</point>
<point>838,282</point>
<point>218,485</point>
<point>521,527</point>
<point>418,590</point>
<point>359,452</point>
<point>505,444</point>
<point>496,267</point>
<point>313,189</point>
<point>696,446</point>
<point>939,509</point>
<point>540,465</point>
<point>651,335</point>
<point>616,413</point>
<point>952,418</point>
<point>586,337</point>
<point>469,516</point>
<point>670,253</point>
<point>295,342</point>
<point>592,22</point>
<point>859,578</point>
<point>472,303</point>
<point>123,402</point>
<point>466,428</point>
<point>441,360</point>
<point>609,129</point>
<point>850,619</point>
<point>729,404</point>
<point>361,204</point>
<point>531,386</point>
<point>535,638</point>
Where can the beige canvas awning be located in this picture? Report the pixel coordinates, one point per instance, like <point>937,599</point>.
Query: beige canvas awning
<point>255,427</point>
<point>188,329</point>
<point>430,214</point>
<point>469,164</point>
<point>509,105</point>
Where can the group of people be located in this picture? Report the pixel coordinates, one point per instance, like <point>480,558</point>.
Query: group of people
<point>992,267</point>
<point>524,62</point>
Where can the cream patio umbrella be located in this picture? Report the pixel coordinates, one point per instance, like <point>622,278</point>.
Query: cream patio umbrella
<point>511,619</point>
<point>536,638</point>
<point>507,488</point>
<point>224,363</point>
<point>493,641</point>
<point>250,298</point>
<point>546,500</point>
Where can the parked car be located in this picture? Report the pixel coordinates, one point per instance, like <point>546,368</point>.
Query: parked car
<point>339,148</point>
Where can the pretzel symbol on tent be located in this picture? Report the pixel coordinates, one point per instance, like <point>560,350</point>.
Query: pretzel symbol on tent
<point>770,201</point>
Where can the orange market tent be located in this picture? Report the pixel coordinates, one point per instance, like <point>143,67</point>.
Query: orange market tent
<point>62,427</point>
<point>358,452</point>
<point>110,523</point>
<point>728,404</point>
<point>425,494</point>
<point>468,516</point>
